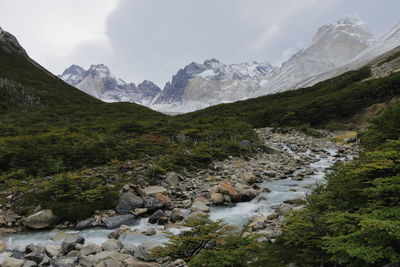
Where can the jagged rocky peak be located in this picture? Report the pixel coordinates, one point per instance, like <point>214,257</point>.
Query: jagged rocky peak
<point>99,71</point>
<point>148,86</point>
<point>99,82</point>
<point>333,46</point>
<point>73,75</point>
<point>351,27</point>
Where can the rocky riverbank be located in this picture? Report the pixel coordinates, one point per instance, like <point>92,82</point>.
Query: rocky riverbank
<point>186,194</point>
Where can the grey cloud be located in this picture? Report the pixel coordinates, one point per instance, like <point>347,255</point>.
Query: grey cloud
<point>153,39</point>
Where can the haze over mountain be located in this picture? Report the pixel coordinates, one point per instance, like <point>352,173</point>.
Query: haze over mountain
<point>336,46</point>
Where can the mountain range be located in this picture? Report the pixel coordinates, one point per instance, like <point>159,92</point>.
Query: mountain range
<point>336,48</point>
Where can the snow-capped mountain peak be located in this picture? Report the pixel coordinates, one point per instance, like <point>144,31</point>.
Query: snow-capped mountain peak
<point>98,81</point>
<point>334,45</point>
<point>351,19</point>
<point>73,75</point>
<point>350,28</point>
<point>100,71</point>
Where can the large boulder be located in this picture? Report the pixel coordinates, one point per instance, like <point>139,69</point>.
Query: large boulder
<point>70,243</point>
<point>248,178</point>
<point>36,256</point>
<point>176,215</point>
<point>217,198</point>
<point>134,262</point>
<point>151,190</point>
<point>40,220</point>
<point>64,262</point>
<point>152,204</point>
<point>246,193</point>
<point>89,249</point>
<point>128,202</point>
<point>112,245</point>
<point>29,264</point>
<point>52,250</point>
<point>110,263</point>
<point>84,224</point>
<point>157,216</point>
<point>117,221</point>
<point>165,200</point>
<point>12,262</point>
<point>93,260</point>
<point>199,206</point>
<point>226,188</point>
<point>143,251</point>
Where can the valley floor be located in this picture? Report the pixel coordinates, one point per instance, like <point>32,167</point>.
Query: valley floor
<point>260,189</point>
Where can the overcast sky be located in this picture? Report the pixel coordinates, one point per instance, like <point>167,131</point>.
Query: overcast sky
<point>152,39</point>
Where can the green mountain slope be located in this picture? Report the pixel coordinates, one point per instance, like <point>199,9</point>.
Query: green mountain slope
<point>24,83</point>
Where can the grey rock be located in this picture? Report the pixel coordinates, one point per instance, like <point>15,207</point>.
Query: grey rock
<point>176,216</point>
<point>155,217</point>
<point>52,250</point>
<point>128,202</point>
<point>40,220</point>
<point>70,243</point>
<point>36,256</point>
<point>29,264</point>
<point>117,221</point>
<point>93,260</point>
<point>143,251</point>
<point>65,262</point>
<point>269,173</point>
<point>110,263</point>
<point>152,204</point>
<point>150,232</point>
<point>217,198</point>
<point>172,178</point>
<point>246,145</point>
<point>248,178</point>
<point>112,245</point>
<point>84,224</point>
<point>134,262</point>
<point>198,206</point>
<point>90,248</point>
<point>46,261</point>
<point>12,262</point>
<point>151,190</point>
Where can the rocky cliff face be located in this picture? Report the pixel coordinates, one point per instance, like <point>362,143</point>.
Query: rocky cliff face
<point>198,86</point>
<point>389,44</point>
<point>333,46</point>
<point>99,82</point>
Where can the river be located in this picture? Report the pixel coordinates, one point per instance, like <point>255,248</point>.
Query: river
<point>279,191</point>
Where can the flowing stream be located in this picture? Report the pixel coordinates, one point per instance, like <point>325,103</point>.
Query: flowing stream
<point>279,191</point>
